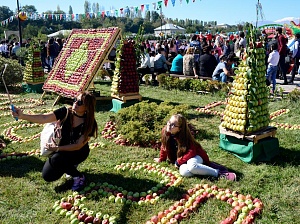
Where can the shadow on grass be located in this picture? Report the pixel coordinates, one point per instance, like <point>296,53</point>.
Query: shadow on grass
<point>286,157</point>
<point>20,167</point>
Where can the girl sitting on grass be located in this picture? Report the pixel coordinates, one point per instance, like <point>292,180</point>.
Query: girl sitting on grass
<point>180,147</point>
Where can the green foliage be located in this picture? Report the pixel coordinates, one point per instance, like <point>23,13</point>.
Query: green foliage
<point>294,95</point>
<point>142,122</point>
<point>13,73</point>
<point>194,85</point>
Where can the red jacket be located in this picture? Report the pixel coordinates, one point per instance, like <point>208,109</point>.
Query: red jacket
<point>192,152</point>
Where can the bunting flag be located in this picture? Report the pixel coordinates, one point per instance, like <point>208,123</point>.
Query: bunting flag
<point>166,2</point>
<point>159,5</point>
<point>154,5</point>
<point>113,12</point>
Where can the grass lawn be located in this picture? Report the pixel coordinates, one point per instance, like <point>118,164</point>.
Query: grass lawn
<point>26,198</point>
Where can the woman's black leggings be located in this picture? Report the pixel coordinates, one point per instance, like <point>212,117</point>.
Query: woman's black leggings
<point>64,162</point>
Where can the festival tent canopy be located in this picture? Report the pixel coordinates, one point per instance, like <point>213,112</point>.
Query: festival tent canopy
<point>60,32</point>
<point>169,29</point>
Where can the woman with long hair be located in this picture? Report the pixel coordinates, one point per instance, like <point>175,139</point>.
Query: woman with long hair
<point>79,126</point>
<point>180,147</point>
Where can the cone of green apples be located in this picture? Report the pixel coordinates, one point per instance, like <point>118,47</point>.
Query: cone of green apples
<point>247,108</point>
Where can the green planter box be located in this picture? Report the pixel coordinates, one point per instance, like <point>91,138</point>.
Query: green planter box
<point>118,104</point>
<point>247,151</point>
<point>33,88</point>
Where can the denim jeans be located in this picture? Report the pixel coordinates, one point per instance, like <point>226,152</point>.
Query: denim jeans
<point>221,78</point>
<point>271,75</point>
<point>195,166</point>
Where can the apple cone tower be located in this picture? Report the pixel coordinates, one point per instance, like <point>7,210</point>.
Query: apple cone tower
<point>125,79</point>
<point>247,108</point>
<point>34,72</point>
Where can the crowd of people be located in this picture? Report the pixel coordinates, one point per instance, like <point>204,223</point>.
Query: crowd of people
<point>49,50</point>
<point>198,57</point>
<point>216,56</point>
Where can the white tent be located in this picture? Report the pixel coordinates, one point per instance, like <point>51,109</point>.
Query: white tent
<point>169,29</point>
<point>61,32</point>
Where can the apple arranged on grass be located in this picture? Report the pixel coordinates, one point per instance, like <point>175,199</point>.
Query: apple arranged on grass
<point>9,133</point>
<point>244,208</point>
<point>15,155</point>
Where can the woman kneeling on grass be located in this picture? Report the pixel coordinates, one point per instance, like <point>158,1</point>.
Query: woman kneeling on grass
<point>180,147</point>
<point>73,149</point>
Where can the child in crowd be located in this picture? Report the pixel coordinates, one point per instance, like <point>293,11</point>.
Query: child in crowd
<point>180,147</point>
<point>273,60</point>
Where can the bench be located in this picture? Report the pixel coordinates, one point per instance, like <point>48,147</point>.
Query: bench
<point>190,77</point>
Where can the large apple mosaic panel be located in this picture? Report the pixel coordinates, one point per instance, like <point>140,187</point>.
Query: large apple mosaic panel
<point>79,60</point>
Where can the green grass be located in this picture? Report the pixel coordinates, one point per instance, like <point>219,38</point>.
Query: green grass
<point>26,198</point>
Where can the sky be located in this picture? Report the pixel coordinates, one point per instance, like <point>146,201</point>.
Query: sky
<point>229,12</point>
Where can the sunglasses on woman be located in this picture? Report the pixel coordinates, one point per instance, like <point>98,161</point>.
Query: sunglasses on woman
<point>172,125</point>
<point>78,102</point>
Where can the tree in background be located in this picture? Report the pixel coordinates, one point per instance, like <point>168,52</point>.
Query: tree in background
<point>70,10</point>
<point>87,7</point>
<point>5,12</point>
<point>29,9</point>
<point>95,7</point>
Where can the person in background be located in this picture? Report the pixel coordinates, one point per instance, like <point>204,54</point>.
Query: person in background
<point>273,60</point>
<point>52,51</point>
<point>207,62</point>
<point>189,65</point>
<point>282,52</point>
<point>172,46</point>
<point>296,57</point>
<point>224,69</point>
<point>77,130</point>
<point>160,62</point>
<point>43,48</point>
<point>180,147</point>
<point>14,50</point>
<point>60,43</point>
<point>216,55</point>
<point>177,63</point>
<point>145,66</point>
<point>177,43</point>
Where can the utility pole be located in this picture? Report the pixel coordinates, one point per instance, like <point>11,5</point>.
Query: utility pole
<point>19,24</point>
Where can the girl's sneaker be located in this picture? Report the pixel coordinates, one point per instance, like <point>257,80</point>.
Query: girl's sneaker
<point>78,183</point>
<point>228,176</point>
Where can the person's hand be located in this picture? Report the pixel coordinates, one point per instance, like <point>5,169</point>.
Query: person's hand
<point>157,160</point>
<point>51,147</point>
<point>17,113</point>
